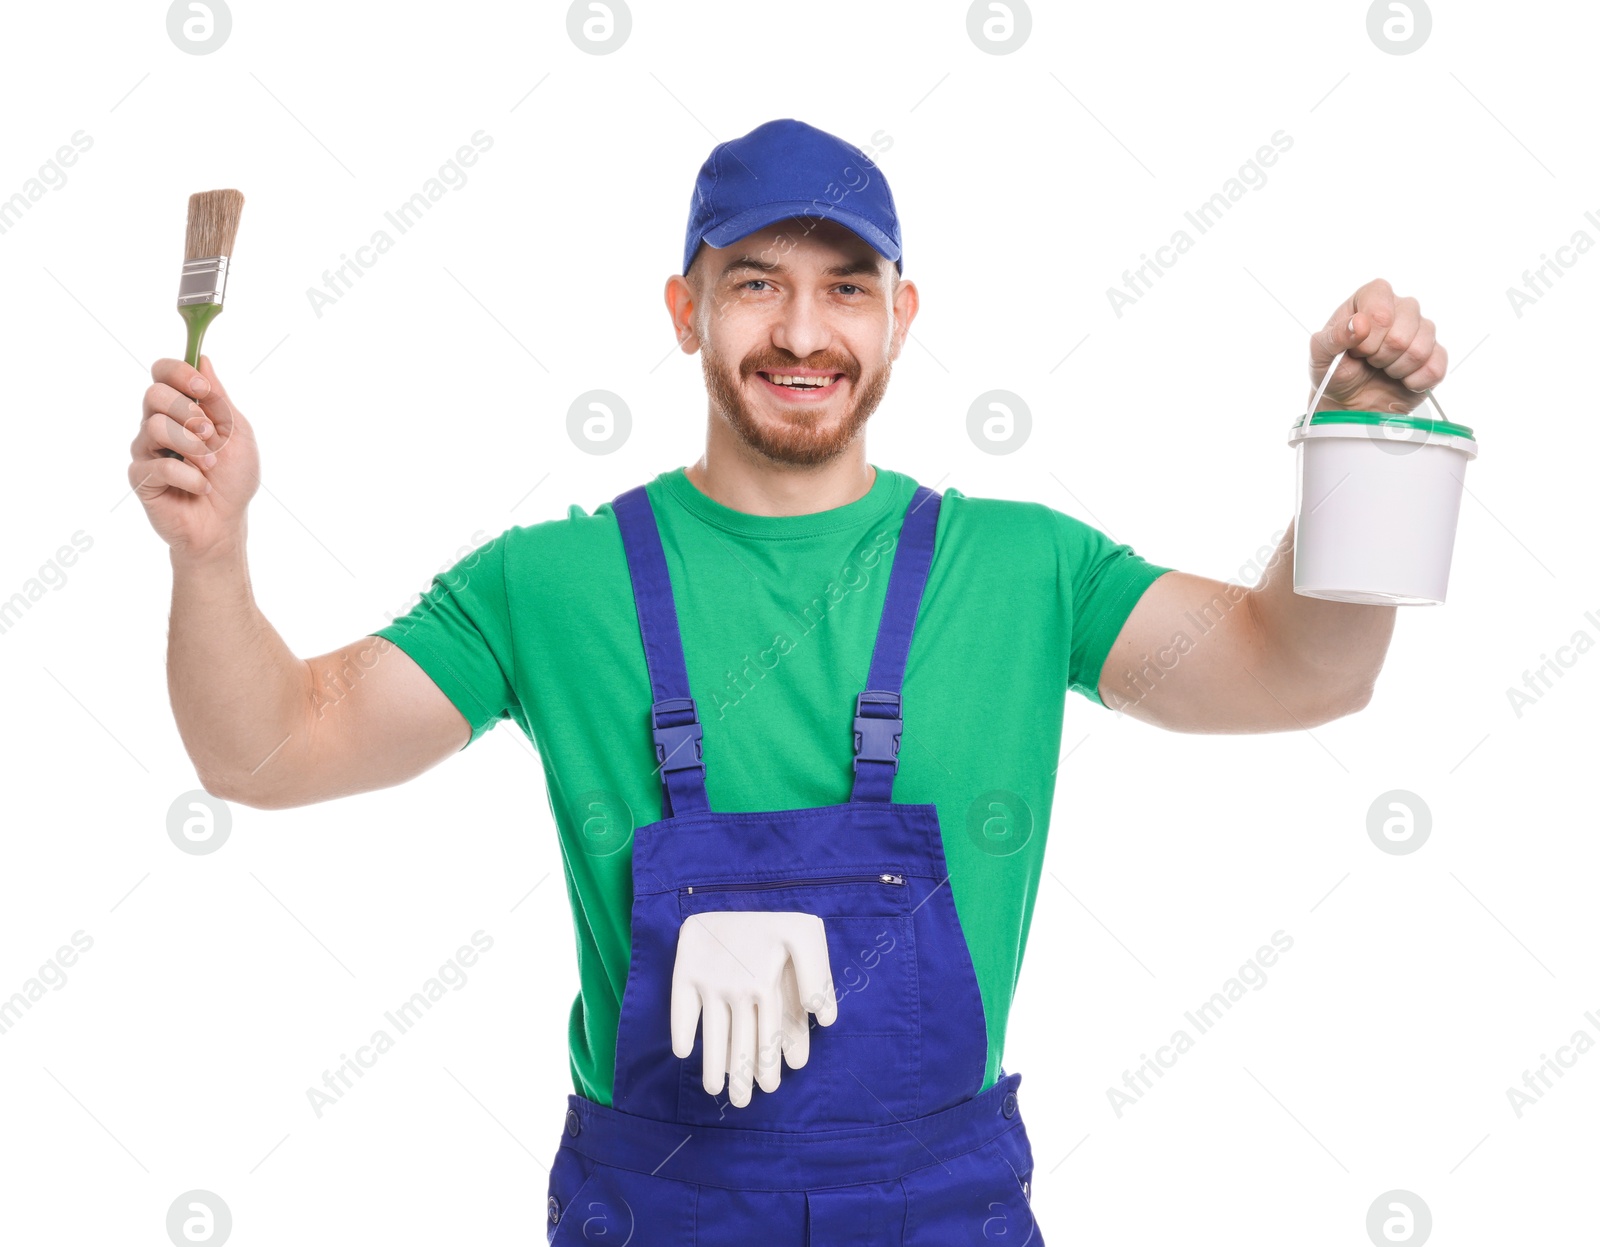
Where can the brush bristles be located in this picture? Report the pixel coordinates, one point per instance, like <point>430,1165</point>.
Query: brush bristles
<point>213,222</point>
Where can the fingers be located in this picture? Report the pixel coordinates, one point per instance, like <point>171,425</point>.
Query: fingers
<point>769,1039</point>
<point>1337,335</point>
<point>1326,343</point>
<point>812,974</point>
<point>216,391</point>
<point>179,406</point>
<point>1379,330</point>
<point>149,477</point>
<point>1372,309</point>
<point>796,1022</point>
<point>192,399</point>
<point>202,385</point>
<point>1394,337</point>
<point>181,377</point>
<point>1432,372</point>
<point>685,1013</point>
<point>1347,329</point>
<point>741,1053</point>
<point>1417,357</point>
<point>714,1045</point>
<point>215,400</point>
<point>1398,336</point>
<point>160,430</point>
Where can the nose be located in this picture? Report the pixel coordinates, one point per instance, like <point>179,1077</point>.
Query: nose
<point>801,328</point>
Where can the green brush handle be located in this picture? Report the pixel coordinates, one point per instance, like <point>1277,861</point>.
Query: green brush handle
<point>196,316</point>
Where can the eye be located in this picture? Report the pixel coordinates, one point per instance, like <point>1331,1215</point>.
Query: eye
<point>752,282</point>
<point>848,286</point>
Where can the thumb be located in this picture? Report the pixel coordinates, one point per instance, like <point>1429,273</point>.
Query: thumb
<point>215,401</point>
<point>1343,332</point>
<point>685,1012</point>
<point>796,1021</point>
<point>208,370</point>
<point>813,976</point>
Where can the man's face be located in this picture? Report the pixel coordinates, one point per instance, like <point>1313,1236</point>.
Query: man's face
<point>810,302</point>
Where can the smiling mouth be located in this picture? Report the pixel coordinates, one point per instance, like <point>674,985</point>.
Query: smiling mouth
<point>799,388</point>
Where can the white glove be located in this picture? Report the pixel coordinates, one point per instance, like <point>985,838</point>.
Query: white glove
<point>755,977</point>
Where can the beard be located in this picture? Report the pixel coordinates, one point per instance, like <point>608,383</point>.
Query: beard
<point>807,436</point>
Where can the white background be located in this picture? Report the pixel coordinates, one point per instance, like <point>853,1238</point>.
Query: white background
<point>426,411</point>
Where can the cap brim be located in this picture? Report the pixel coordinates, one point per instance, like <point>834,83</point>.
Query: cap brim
<point>753,219</point>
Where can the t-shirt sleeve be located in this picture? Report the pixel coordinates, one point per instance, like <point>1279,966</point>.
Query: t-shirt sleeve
<point>459,632</point>
<point>1105,581</point>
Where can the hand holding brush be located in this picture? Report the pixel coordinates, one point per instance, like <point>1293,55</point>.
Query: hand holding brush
<point>207,246</point>
<point>195,465</point>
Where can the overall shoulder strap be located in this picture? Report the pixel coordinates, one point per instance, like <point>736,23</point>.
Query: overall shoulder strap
<point>878,721</point>
<point>674,718</point>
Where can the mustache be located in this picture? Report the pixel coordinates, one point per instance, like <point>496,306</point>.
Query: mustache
<point>781,367</point>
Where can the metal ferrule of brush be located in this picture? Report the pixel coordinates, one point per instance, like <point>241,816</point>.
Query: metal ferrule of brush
<point>203,280</point>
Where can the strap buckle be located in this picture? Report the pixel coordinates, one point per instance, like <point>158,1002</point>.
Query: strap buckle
<point>877,736</point>
<point>673,739</point>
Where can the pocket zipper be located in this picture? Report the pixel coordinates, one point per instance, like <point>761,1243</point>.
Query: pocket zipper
<point>897,880</point>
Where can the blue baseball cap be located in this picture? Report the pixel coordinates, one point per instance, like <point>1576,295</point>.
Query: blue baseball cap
<point>785,169</point>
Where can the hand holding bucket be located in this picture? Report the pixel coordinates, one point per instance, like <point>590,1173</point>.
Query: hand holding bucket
<point>1377,496</point>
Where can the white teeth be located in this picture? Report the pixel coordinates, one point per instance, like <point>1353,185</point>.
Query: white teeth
<point>807,382</point>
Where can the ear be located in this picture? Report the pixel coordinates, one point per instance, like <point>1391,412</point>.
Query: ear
<point>681,303</point>
<point>905,311</point>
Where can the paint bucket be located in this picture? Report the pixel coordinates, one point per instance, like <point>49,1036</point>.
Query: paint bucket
<point>1377,497</point>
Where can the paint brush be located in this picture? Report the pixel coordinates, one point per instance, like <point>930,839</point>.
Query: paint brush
<point>207,247</point>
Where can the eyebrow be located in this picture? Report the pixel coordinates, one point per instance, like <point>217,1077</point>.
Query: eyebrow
<point>867,265</point>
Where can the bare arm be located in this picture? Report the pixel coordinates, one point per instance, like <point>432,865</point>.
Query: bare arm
<point>263,727</point>
<point>267,729</point>
<point>1200,655</point>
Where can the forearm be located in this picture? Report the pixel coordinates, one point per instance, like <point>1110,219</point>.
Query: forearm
<point>239,695</point>
<point>1323,653</point>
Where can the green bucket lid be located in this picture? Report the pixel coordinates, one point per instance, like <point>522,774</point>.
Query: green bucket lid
<point>1424,423</point>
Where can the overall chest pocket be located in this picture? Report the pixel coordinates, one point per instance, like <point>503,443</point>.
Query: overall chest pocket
<point>866,1066</point>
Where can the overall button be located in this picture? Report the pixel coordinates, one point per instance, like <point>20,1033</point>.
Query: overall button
<point>555,1210</point>
<point>573,1126</point>
<point>1009,1105</point>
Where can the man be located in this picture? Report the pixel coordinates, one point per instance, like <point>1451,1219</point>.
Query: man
<point>765,860</point>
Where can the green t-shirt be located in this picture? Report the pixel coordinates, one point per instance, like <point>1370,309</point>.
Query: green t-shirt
<point>778,616</point>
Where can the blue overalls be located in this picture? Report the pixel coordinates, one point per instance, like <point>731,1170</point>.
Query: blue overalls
<point>881,1137</point>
